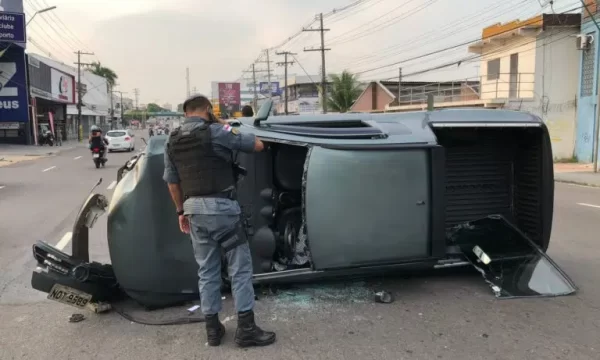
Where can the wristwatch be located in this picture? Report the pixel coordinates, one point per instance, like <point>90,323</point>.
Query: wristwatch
<point>180,212</point>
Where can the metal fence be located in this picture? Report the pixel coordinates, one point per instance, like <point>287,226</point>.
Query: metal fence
<point>497,86</point>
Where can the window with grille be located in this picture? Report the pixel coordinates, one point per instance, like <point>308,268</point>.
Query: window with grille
<point>587,70</point>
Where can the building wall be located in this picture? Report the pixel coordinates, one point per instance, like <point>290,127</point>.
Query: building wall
<point>499,89</point>
<point>547,83</point>
<point>365,102</point>
<point>556,88</point>
<point>588,100</point>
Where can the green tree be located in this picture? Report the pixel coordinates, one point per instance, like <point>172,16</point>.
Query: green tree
<point>154,108</point>
<point>345,89</point>
<point>107,73</point>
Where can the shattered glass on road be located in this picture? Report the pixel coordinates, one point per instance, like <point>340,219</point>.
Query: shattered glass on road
<point>509,261</point>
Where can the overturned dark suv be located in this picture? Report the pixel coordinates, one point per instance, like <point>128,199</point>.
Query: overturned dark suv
<point>336,195</point>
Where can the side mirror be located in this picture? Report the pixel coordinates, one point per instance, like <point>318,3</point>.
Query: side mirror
<point>263,112</point>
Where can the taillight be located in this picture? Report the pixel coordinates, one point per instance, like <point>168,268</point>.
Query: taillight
<point>127,138</point>
<point>96,150</point>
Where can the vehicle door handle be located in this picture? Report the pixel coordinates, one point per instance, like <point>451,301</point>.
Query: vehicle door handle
<point>420,202</point>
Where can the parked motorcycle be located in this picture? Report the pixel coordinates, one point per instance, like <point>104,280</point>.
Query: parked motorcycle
<point>98,156</point>
<point>46,138</point>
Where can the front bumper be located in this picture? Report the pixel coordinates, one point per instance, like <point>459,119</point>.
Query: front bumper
<point>76,271</point>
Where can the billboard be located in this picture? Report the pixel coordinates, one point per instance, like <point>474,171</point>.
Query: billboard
<point>62,86</point>
<point>11,5</point>
<point>15,26</point>
<point>14,101</point>
<point>12,27</point>
<point>264,88</point>
<point>229,97</point>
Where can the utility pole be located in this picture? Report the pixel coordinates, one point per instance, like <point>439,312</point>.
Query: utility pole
<point>399,85</point>
<point>194,91</point>
<point>187,82</point>
<point>322,49</point>
<point>254,71</point>
<point>268,62</point>
<point>285,63</point>
<point>136,92</point>
<point>80,93</point>
<point>121,105</point>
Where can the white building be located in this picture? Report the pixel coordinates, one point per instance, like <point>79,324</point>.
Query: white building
<point>533,65</point>
<point>303,95</point>
<point>116,103</point>
<point>96,101</point>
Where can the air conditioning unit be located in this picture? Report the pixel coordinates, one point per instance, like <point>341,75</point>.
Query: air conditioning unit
<point>584,41</point>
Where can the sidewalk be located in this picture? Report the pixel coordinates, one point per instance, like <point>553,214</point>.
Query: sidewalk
<point>581,174</point>
<point>12,154</point>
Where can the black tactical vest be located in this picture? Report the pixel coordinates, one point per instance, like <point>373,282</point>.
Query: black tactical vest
<point>202,172</point>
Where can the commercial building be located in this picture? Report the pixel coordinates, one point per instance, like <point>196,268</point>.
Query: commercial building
<point>95,99</point>
<point>587,100</point>
<point>15,126</point>
<point>303,95</point>
<point>51,91</point>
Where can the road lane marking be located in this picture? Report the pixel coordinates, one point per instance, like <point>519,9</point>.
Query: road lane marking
<point>590,205</point>
<point>64,241</point>
<point>77,158</point>
<point>112,185</point>
<point>48,169</point>
<point>2,187</point>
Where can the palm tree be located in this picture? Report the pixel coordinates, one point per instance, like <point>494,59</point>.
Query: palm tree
<point>107,73</point>
<point>345,90</point>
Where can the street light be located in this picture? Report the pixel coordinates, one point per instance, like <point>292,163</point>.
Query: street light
<point>39,12</point>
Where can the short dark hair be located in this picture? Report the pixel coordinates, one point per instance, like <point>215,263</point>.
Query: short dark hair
<point>199,102</point>
<point>247,111</point>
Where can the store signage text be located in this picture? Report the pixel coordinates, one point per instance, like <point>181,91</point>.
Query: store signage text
<point>12,27</point>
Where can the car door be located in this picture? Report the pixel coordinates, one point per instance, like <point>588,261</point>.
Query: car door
<point>367,207</point>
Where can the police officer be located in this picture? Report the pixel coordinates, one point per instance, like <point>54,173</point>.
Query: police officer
<point>201,176</point>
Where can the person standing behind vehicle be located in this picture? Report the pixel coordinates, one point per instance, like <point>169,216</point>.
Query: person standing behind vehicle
<point>247,111</point>
<point>201,178</point>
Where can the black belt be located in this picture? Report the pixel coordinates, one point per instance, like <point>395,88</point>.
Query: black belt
<point>221,195</point>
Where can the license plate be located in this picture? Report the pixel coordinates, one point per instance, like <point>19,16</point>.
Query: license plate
<point>69,296</point>
<point>116,145</point>
<point>96,155</point>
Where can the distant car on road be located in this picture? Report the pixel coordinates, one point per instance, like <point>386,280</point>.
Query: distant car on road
<point>120,140</point>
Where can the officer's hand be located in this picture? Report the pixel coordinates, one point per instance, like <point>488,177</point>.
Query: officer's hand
<point>184,224</point>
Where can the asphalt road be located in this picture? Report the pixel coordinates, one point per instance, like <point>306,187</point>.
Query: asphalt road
<point>435,316</point>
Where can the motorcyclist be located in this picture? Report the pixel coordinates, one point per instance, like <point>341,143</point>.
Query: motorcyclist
<point>97,139</point>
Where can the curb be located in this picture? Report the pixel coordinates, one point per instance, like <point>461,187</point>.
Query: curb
<point>577,183</point>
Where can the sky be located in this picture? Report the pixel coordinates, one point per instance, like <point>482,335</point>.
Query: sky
<point>150,43</point>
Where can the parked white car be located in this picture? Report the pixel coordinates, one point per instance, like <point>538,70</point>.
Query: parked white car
<point>120,140</point>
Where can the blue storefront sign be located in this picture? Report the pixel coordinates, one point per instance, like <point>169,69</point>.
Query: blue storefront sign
<point>264,88</point>
<point>12,27</point>
<point>14,101</point>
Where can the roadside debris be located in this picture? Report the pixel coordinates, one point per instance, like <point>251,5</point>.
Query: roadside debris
<point>76,318</point>
<point>384,297</point>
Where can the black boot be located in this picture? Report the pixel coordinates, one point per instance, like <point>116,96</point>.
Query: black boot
<point>214,330</point>
<point>248,334</point>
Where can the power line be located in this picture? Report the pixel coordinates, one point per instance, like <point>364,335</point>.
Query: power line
<point>428,35</point>
<point>435,52</point>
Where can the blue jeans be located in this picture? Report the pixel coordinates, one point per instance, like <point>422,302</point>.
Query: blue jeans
<point>207,232</point>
